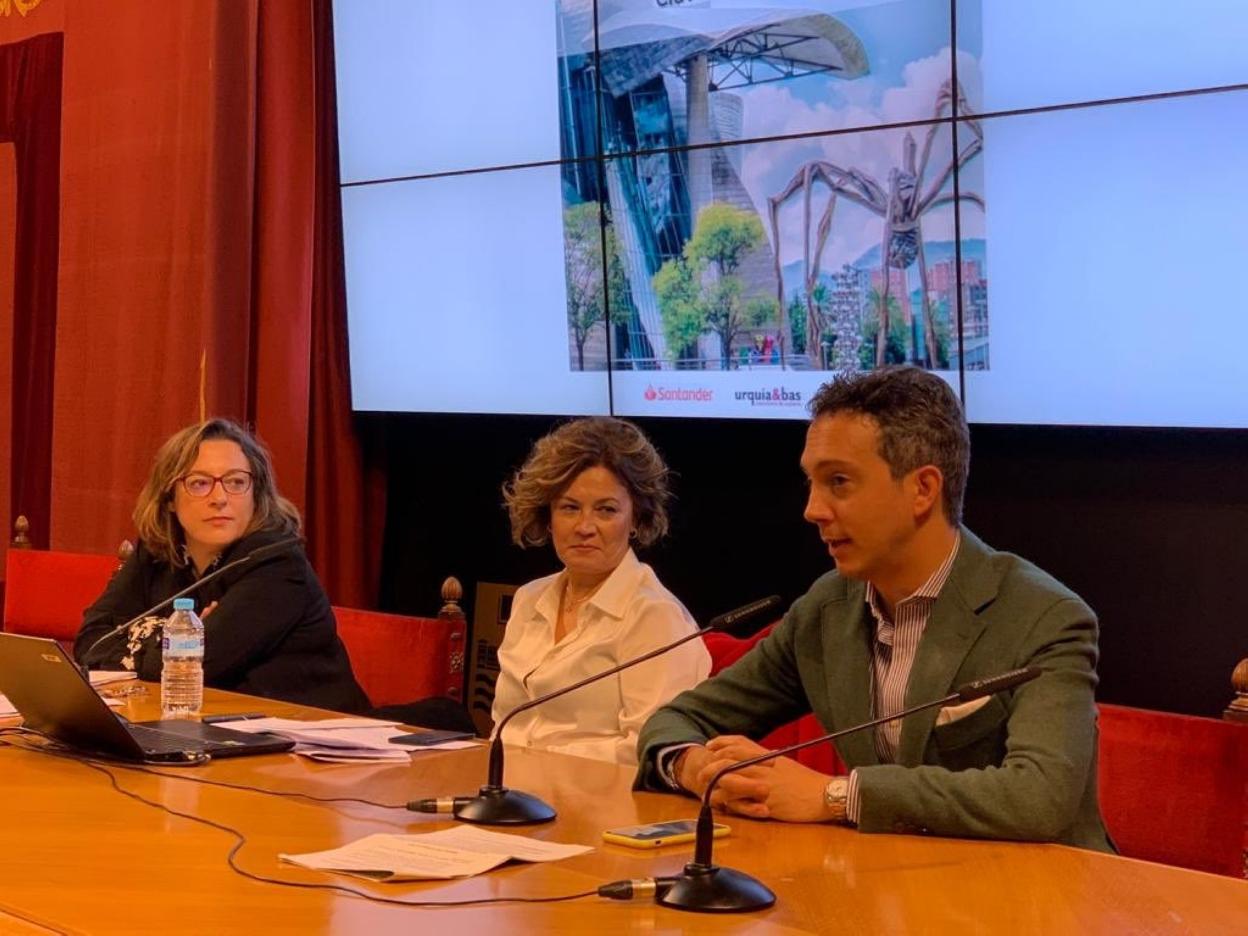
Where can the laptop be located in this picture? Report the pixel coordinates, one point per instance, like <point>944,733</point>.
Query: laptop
<point>56,699</point>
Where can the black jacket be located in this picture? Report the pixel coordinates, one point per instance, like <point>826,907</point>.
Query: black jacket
<point>272,633</point>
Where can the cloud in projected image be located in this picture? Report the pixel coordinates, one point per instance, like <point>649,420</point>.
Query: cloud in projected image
<point>775,111</point>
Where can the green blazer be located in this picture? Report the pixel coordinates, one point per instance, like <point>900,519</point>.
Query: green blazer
<point>1023,766</point>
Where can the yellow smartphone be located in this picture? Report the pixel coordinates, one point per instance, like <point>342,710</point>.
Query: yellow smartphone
<point>659,833</point>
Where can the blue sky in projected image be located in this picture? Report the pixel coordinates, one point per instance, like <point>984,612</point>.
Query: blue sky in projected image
<point>890,46</point>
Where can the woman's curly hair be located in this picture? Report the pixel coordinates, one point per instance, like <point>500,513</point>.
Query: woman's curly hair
<point>559,457</point>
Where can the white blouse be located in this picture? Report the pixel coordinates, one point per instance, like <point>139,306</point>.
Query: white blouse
<point>630,614</point>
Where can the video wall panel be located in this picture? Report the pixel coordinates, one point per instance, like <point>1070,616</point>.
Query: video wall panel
<point>1043,53</point>
<point>771,191</point>
<point>793,291</point>
<point>445,275</point>
<point>1115,293</point>
<point>446,85</point>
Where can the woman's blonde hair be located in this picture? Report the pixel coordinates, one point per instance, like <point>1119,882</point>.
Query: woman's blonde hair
<point>559,457</point>
<point>154,519</point>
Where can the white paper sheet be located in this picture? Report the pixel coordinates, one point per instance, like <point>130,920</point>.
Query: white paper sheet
<point>278,725</point>
<point>340,740</point>
<point>342,755</point>
<point>107,677</point>
<point>457,852</point>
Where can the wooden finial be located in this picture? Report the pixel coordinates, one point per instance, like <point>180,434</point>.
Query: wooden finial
<point>21,532</point>
<point>125,551</point>
<point>453,615</point>
<point>1237,711</point>
<point>452,592</point>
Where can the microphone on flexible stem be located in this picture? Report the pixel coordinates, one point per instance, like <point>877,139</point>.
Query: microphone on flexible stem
<point>263,552</point>
<point>705,888</point>
<point>495,804</point>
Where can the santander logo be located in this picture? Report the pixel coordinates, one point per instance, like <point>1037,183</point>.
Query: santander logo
<point>655,394</point>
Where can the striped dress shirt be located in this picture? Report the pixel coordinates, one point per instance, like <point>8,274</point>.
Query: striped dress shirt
<point>892,657</point>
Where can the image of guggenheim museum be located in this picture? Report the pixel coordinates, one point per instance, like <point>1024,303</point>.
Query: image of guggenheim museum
<point>670,76</point>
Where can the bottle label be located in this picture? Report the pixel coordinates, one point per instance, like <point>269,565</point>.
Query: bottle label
<point>182,646</point>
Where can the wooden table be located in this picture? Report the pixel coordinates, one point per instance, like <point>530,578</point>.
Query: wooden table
<point>76,856</point>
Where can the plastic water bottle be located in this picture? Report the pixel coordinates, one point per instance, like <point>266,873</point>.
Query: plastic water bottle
<point>182,676</point>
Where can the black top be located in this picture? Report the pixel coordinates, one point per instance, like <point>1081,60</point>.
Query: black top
<point>272,633</point>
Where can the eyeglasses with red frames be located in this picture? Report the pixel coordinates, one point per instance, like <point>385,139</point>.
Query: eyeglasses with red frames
<point>200,483</point>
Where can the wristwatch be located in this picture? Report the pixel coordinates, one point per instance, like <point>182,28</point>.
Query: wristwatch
<point>835,796</point>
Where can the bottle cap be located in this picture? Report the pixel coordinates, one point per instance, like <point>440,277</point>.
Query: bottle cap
<point>184,604</point>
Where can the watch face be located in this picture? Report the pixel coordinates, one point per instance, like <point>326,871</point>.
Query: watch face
<point>836,791</point>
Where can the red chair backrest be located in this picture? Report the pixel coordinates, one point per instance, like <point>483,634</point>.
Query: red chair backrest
<point>1174,788</point>
<point>397,658</point>
<point>726,650</point>
<point>46,591</point>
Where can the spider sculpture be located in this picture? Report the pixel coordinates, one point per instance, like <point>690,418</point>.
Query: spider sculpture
<point>901,206</point>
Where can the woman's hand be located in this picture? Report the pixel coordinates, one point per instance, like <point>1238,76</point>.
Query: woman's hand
<point>208,610</point>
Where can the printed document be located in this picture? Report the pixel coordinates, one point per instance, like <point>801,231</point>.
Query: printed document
<point>461,851</point>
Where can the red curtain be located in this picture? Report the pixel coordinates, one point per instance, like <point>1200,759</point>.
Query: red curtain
<point>158,258</point>
<point>199,269</point>
<point>346,469</point>
<point>30,118</point>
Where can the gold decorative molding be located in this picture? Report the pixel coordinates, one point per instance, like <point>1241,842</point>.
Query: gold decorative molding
<point>21,7</point>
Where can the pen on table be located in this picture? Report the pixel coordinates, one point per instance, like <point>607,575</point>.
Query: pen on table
<point>241,716</point>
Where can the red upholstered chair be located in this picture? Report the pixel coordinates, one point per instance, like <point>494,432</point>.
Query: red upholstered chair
<point>1237,713</point>
<point>1174,788</point>
<point>47,590</point>
<point>726,650</point>
<point>398,659</point>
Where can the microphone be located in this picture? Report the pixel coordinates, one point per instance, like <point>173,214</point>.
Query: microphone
<point>705,888</point>
<point>256,555</point>
<point>729,620</point>
<point>497,805</point>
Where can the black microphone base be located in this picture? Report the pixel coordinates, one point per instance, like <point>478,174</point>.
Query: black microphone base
<point>710,889</point>
<point>501,806</point>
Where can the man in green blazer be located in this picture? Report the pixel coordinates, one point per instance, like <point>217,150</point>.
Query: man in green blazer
<point>917,605</point>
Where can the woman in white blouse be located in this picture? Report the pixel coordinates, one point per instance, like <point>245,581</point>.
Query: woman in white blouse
<point>593,488</point>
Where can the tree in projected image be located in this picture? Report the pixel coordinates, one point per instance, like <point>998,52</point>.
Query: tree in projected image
<point>797,329</point>
<point>895,343</point>
<point>700,290</point>
<point>902,205</point>
<point>940,319</point>
<point>590,303</point>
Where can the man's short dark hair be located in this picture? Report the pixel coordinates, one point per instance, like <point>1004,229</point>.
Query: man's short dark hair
<point>919,418</point>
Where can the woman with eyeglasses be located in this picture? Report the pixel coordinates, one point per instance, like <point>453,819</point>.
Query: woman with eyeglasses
<point>269,629</point>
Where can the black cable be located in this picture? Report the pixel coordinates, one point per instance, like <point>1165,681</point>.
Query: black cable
<point>54,747</point>
<point>293,794</point>
<point>241,840</point>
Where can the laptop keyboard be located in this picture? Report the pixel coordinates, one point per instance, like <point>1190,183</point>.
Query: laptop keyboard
<point>155,741</point>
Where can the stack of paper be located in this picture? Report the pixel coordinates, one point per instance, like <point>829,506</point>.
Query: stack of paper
<point>461,851</point>
<point>339,740</point>
<point>107,677</point>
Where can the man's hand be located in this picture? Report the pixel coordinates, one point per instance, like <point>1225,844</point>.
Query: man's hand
<point>688,768</point>
<point>777,789</point>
